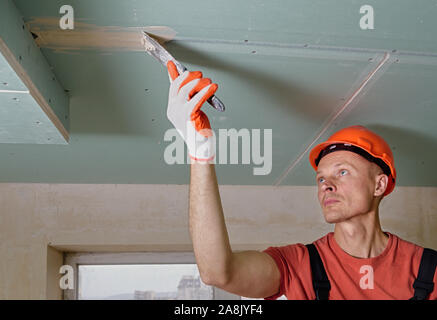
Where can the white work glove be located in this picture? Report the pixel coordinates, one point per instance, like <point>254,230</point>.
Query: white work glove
<point>187,94</point>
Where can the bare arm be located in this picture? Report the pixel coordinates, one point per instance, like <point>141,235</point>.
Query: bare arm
<point>248,273</point>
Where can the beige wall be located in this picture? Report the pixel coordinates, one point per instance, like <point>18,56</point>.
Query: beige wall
<point>39,221</point>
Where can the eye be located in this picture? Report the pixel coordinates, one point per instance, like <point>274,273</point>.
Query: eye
<point>320,180</point>
<point>343,172</point>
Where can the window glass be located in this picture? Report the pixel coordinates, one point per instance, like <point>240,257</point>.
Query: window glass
<point>141,282</point>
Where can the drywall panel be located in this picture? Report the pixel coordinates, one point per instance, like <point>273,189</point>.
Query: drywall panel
<point>23,121</point>
<point>24,69</point>
<point>119,101</point>
<point>9,80</point>
<point>402,108</point>
<point>398,24</point>
<point>285,66</point>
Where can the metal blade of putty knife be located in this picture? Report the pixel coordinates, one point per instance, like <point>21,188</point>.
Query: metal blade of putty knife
<point>157,51</point>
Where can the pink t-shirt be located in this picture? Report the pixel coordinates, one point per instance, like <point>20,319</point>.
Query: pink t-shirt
<point>385,277</point>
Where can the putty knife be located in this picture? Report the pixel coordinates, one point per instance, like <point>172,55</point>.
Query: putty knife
<point>157,51</point>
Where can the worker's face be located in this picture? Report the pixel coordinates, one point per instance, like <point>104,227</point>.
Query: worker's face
<point>350,180</point>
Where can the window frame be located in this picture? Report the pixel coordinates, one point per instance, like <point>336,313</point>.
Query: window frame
<point>75,259</point>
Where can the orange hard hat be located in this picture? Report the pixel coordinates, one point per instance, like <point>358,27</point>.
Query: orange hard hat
<point>366,143</point>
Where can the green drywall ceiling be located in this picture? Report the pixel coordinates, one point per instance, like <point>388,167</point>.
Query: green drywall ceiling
<point>267,79</point>
<point>402,107</point>
<point>21,118</point>
<point>8,78</point>
<point>399,24</point>
<point>34,107</point>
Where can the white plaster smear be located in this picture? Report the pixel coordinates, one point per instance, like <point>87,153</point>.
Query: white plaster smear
<point>86,36</point>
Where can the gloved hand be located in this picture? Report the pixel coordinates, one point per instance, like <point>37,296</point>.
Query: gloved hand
<point>187,94</point>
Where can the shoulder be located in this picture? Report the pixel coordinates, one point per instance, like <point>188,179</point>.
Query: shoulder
<point>287,252</point>
<point>406,248</point>
<point>297,252</point>
<point>324,241</point>
<point>406,253</point>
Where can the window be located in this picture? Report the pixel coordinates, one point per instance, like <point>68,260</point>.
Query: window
<point>139,275</point>
<point>142,282</point>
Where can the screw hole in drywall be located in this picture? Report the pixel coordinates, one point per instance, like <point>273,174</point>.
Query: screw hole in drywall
<point>370,59</point>
<point>253,51</point>
<point>20,58</point>
<point>5,83</point>
<point>15,99</point>
<point>305,45</point>
<point>394,50</point>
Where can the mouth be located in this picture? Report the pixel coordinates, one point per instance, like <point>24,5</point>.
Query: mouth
<point>327,202</point>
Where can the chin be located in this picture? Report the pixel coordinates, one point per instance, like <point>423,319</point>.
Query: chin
<point>332,221</point>
<point>332,217</point>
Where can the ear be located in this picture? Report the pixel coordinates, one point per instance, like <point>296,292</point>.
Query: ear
<point>381,183</point>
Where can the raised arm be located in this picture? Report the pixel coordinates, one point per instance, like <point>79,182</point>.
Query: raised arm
<point>248,273</point>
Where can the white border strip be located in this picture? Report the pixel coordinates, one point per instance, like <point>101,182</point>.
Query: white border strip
<point>13,91</point>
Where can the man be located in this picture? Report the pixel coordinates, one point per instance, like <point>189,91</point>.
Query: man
<point>355,170</point>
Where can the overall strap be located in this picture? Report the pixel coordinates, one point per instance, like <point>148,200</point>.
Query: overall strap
<point>424,284</point>
<point>321,282</point>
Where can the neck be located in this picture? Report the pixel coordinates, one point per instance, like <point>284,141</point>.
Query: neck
<point>361,236</point>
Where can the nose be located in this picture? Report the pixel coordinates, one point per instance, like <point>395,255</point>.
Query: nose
<point>328,186</point>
